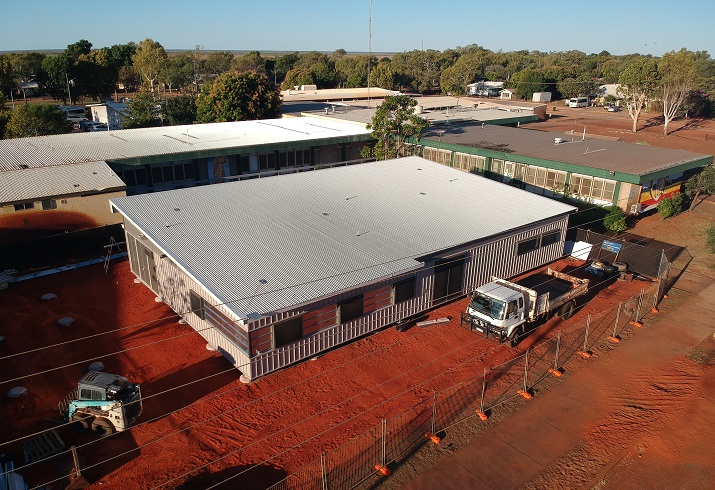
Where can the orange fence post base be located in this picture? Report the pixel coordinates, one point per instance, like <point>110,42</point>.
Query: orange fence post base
<point>524,394</point>
<point>665,296</point>
<point>584,354</point>
<point>636,323</point>
<point>613,339</point>
<point>556,372</point>
<point>654,309</point>
<point>383,470</point>
<point>433,437</point>
<point>482,415</point>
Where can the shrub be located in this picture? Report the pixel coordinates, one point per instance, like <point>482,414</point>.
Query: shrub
<point>615,220</point>
<point>710,238</point>
<point>670,206</point>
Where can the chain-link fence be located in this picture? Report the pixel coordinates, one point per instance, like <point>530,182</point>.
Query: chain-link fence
<point>394,439</point>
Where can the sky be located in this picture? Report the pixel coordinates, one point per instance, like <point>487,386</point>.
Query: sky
<point>617,26</point>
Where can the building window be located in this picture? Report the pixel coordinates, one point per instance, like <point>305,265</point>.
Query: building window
<point>350,309</point>
<point>469,163</point>
<point>288,331</point>
<point>599,191</point>
<point>49,204</point>
<point>550,238</point>
<point>197,305</point>
<point>497,166</point>
<point>437,155</point>
<point>404,290</point>
<point>527,246</point>
<point>24,206</point>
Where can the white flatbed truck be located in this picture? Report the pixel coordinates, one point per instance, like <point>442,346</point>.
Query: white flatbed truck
<point>502,308</point>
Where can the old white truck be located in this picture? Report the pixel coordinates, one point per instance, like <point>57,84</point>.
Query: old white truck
<point>502,308</point>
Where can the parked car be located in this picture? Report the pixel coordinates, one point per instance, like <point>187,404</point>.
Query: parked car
<point>612,107</point>
<point>98,127</point>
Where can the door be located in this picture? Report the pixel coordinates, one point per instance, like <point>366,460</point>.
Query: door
<point>448,279</point>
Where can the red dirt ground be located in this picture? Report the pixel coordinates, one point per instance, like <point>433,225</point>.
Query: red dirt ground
<point>29,225</point>
<point>315,405</point>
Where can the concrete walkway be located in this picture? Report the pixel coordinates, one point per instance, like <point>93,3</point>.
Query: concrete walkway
<point>519,448</point>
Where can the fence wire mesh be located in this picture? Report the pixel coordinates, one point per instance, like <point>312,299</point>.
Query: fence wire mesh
<point>355,461</point>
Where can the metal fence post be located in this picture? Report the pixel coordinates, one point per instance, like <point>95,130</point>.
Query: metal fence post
<point>381,467</point>
<point>614,338</point>
<point>432,436</point>
<point>584,352</point>
<point>524,391</point>
<point>323,472</point>
<point>480,412</point>
<point>556,371</point>
<point>636,321</point>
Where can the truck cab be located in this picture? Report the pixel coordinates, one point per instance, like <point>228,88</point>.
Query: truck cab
<point>496,308</point>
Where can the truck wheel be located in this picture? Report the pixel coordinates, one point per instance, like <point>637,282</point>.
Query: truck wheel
<point>514,337</point>
<point>81,421</point>
<point>103,427</point>
<point>566,310</point>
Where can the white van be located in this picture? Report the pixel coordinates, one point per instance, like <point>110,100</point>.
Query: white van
<point>578,102</point>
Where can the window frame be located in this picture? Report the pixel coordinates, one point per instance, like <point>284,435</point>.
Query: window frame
<point>285,338</point>
<point>397,292</point>
<point>520,246</point>
<point>351,301</point>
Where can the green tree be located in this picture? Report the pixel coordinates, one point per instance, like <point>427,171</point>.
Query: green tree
<point>677,77</point>
<point>296,77</point>
<point>180,110</point>
<point>178,72</point>
<point>218,62</point>
<point>638,82</point>
<point>25,68</point>
<point>6,80</point>
<point>36,120</point>
<point>393,123</point>
<point>527,82</point>
<point>54,77</point>
<point>251,61</point>
<point>94,74</point>
<point>284,64</point>
<point>670,206</point>
<point>701,183</point>
<point>469,68</point>
<point>149,60</point>
<point>238,97</point>
<point>143,112</point>
<point>575,87</point>
<point>710,238</point>
<point>382,76</point>
<point>615,220</point>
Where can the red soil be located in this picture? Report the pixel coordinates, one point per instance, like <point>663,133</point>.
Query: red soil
<point>286,418</point>
<point>27,225</point>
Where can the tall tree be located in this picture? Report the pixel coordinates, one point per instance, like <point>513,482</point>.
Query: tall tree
<point>143,112</point>
<point>393,123</point>
<point>677,78</point>
<point>218,62</point>
<point>238,97</point>
<point>637,83</point>
<point>382,76</point>
<point>527,82</point>
<point>54,77</point>
<point>178,72</point>
<point>467,69</point>
<point>701,183</point>
<point>6,80</point>
<point>180,110</point>
<point>575,87</point>
<point>36,120</point>
<point>251,61</point>
<point>149,60</point>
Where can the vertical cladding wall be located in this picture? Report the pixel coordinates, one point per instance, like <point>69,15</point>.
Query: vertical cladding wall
<point>320,330</point>
<point>160,274</point>
<point>497,257</point>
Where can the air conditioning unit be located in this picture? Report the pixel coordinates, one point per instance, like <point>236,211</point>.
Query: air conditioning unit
<point>636,208</point>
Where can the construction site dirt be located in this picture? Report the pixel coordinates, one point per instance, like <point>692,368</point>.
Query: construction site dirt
<point>198,417</point>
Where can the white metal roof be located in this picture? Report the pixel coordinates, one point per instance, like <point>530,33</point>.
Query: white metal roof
<point>62,149</point>
<point>311,234</point>
<point>46,182</point>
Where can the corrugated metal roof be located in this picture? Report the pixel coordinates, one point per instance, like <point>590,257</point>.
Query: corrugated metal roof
<point>315,233</point>
<point>45,182</point>
<point>595,153</point>
<point>65,149</point>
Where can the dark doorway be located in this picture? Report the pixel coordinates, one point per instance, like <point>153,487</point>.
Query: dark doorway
<point>448,279</point>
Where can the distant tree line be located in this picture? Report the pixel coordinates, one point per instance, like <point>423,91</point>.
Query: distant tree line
<point>682,82</point>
